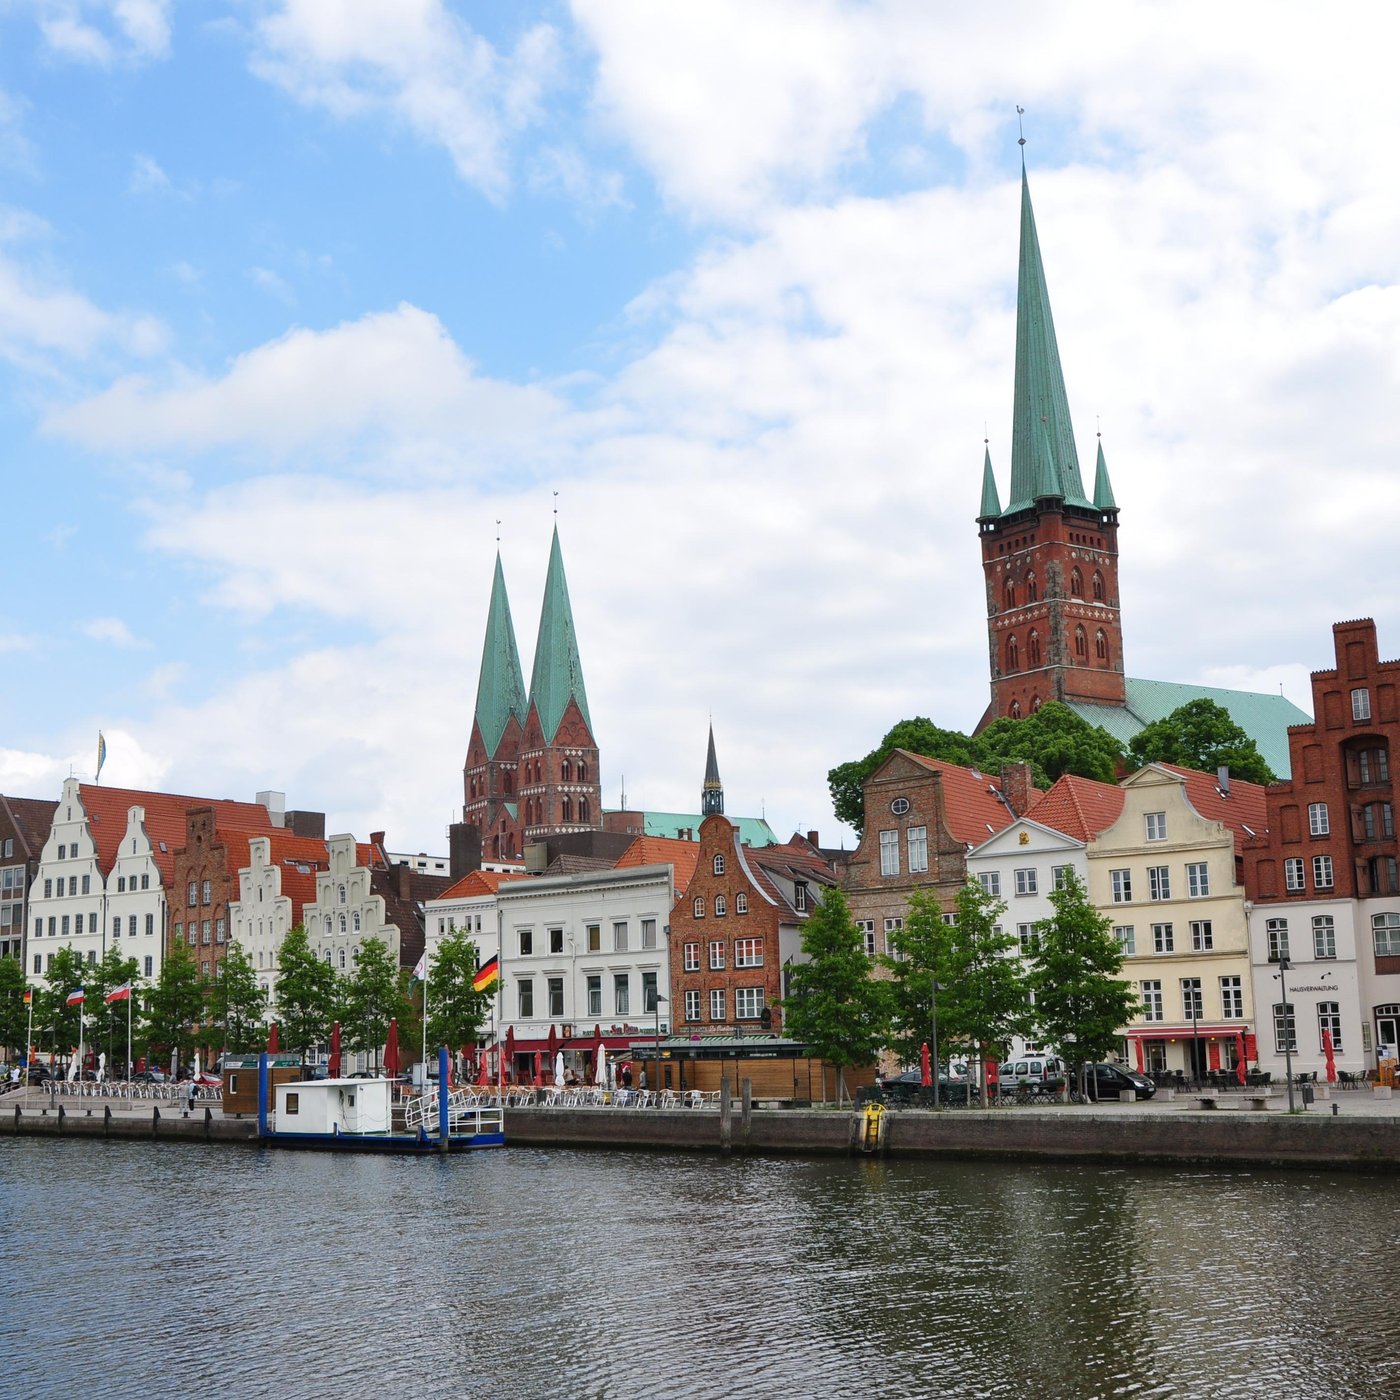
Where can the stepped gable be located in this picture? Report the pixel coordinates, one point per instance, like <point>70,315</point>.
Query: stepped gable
<point>972,806</point>
<point>298,859</point>
<point>1079,807</point>
<point>681,856</point>
<point>1243,807</point>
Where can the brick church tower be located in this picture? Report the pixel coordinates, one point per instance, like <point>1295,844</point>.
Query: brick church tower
<point>1050,559</point>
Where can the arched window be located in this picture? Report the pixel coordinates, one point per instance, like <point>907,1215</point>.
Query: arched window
<point>721,908</point>
<point>340,894</point>
<point>718,865</point>
<point>566,809</point>
<point>342,959</point>
<point>565,771</point>
<point>1033,648</point>
<point>505,782</point>
<point>583,809</point>
<point>1032,589</point>
<point>1101,646</point>
<point>1076,583</point>
<point>342,923</point>
<point>1015,710</point>
<point>1013,654</point>
<point>1098,585</point>
<point>1009,594</point>
<point>1081,642</point>
<point>356,918</point>
<point>328,929</point>
<point>582,771</point>
<point>698,907</point>
<point>1035,703</point>
<point>328,957</point>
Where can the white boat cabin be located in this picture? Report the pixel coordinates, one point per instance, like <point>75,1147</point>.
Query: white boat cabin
<point>329,1106</point>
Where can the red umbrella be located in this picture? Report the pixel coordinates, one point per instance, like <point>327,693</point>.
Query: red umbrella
<point>1241,1060</point>
<point>484,1069</point>
<point>333,1067</point>
<point>1330,1051</point>
<point>1137,1052</point>
<point>539,1069</point>
<point>391,1049</point>
<point>510,1054</point>
<point>924,1065</point>
<point>272,1039</point>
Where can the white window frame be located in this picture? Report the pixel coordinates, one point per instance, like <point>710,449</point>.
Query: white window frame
<point>1324,932</point>
<point>1163,938</point>
<point>867,935</point>
<point>1319,821</point>
<point>1151,993</point>
<point>917,840</point>
<point>1202,936</point>
<point>1126,934</point>
<point>1329,1018</point>
<point>1156,824</point>
<point>990,880</point>
<point>1159,883</point>
<point>1026,881</point>
<point>1122,883</point>
<point>748,952</point>
<point>719,1002</point>
<point>748,1003</point>
<point>1276,932</point>
<point>717,954</point>
<point>1360,703</point>
<point>1232,998</point>
<point>691,955</point>
<point>692,1006</point>
<point>889,853</point>
<point>1059,876</point>
<point>1198,880</point>
<point>1322,872</point>
<point>1294,874</point>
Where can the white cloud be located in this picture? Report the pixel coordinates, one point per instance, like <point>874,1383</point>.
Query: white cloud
<point>103,33</point>
<point>418,63</point>
<point>268,281</point>
<point>146,176</point>
<point>111,630</point>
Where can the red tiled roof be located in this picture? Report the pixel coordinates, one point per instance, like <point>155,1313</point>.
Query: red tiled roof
<point>681,856</point>
<point>1079,807</point>
<point>299,858</point>
<point>1246,806</point>
<point>972,810</point>
<point>479,882</point>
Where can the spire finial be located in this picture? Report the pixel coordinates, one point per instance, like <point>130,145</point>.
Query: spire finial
<point>556,505</point>
<point>1020,126</point>
<point>498,533</point>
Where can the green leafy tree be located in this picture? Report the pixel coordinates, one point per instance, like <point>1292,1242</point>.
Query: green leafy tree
<point>455,1010</point>
<point>918,950</point>
<point>14,1014</point>
<point>307,993</point>
<point>236,1002</point>
<point>176,1005</point>
<point>107,1023</point>
<point>834,1005</point>
<point>919,735</point>
<point>373,997</point>
<point>64,1024</point>
<point>1082,1001</point>
<point>1201,735</point>
<point>1054,741</point>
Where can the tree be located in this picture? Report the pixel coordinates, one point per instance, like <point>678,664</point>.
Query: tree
<point>107,1022</point>
<point>236,1002</point>
<point>175,1005</point>
<point>306,993</point>
<point>918,950</point>
<point>66,973</point>
<point>834,1005</point>
<point>919,735</point>
<point>1081,1000</point>
<point>455,1009</point>
<point>1201,735</point>
<point>373,998</point>
<point>14,1014</point>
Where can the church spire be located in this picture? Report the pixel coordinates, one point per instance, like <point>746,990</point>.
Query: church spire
<point>557,676</point>
<point>1043,457</point>
<point>991,502</point>
<point>712,793</point>
<point>500,691</point>
<point>1103,488</point>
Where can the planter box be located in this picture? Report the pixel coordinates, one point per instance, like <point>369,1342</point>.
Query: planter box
<point>1380,1091</point>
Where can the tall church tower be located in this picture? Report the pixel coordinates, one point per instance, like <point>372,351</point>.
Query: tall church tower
<point>1050,558</point>
<point>712,792</point>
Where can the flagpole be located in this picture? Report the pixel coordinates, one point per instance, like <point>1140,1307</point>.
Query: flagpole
<point>129,994</point>
<point>29,1040</point>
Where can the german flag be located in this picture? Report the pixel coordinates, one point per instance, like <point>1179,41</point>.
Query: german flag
<point>29,996</point>
<point>487,975</point>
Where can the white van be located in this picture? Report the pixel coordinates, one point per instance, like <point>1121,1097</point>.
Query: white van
<point>1041,1074</point>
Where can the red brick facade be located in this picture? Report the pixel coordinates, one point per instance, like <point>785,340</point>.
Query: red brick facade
<point>205,880</point>
<point>489,782</point>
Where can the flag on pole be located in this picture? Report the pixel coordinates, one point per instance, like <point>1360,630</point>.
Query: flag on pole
<point>29,996</point>
<point>420,972</point>
<point>122,993</point>
<point>101,754</point>
<point>75,997</point>
<point>487,975</point>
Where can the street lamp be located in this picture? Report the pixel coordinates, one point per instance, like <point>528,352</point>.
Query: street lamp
<point>656,1007</point>
<point>1283,966</point>
<point>933,1045</point>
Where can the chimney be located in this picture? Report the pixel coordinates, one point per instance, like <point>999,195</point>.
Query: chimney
<point>1018,787</point>
<point>276,804</point>
<point>1222,780</point>
<point>464,849</point>
<point>403,881</point>
<point>814,838</point>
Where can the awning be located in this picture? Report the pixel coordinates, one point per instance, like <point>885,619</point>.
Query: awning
<point>1201,1031</point>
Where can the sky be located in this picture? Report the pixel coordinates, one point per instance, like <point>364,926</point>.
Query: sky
<point>305,304</point>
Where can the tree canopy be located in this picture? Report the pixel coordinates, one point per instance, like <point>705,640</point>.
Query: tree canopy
<point>1201,735</point>
<point>1053,741</point>
<point>372,998</point>
<point>236,1002</point>
<point>307,994</point>
<point>455,1009</point>
<point>175,1005</point>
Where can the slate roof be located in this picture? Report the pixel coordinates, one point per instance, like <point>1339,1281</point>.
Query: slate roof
<point>1244,808</point>
<point>681,856</point>
<point>972,810</point>
<point>1079,807</point>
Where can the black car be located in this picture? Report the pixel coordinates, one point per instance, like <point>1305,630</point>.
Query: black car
<point>909,1088</point>
<point>42,1074</point>
<point>1108,1081</point>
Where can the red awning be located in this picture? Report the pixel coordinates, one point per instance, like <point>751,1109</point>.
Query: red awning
<point>524,1046</point>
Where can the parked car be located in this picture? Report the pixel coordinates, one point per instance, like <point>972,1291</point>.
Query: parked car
<point>909,1087</point>
<point>42,1074</point>
<point>149,1076</point>
<point>1040,1074</point>
<point>1108,1081</point>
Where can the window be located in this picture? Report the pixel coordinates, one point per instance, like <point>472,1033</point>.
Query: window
<point>1193,1008</point>
<point>918,849</point>
<point>204,930</point>
<point>1159,882</point>
<point>525,996</point>
<point>1322,872</point>
<point>593,987</point>
<point>748,1003</point>
<point>692,1006</point>
<point>527,942</point>
<point>1293,873</point>
<point>556,940</point>
<point>697,906</point>
<point>555,990</point>
<point>1076,583</point>
<point>595,937</point>
<point>48,889</point>
<point>1156,826</point>
<point>1025,882</point>
<point>1127,939</point>
<point>867,935</point>
<point>1098,586</point>
<point>87,884</point>
<point>1373,766</point>
<point>799,896</point>
<point>622,994</point>
<point>717,955</point>
<point>718,865</point>
<point>1163,940</point>
<point>741,903</point>
<point>717,1004</point>
<point>899,806</point>
<point>692,957</point>
<point>889,853</point>
<point>344,928</point>
<point>342,959</point>
<point>1277,930</point>
<point>1198,880</point>
<point>649,1001</point>
<point>1378,820</point>
<point>65,925</point>
<point>1324,936</point>
<point>149,963</point>
<point>208,892</point>
<point>1285,1032</point>
<point>1385,929</point>
<point>38,963</point>
<point>355,921</point>
<point>748,952</point>
<point>893,926</point>
<point>1231,999</point>
<point>1361,704</point>
<point>1318,823</point>
<point>648,933</point>
<point>72,884</point>
<point>990,880</point>
<point>192,894</point>
<point>1151,1000</point>
<point>121,884</point>
<point>1122,881</point>
<point>1202,936</point>
<point>1026,936</point>
<point>620,936</point>
<point>721,906</point>
<point>1059,876</point>
<point>146,882</point>
<point>1329,1018</point>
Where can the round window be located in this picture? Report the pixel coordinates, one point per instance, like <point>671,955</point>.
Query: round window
<point>899,806</point>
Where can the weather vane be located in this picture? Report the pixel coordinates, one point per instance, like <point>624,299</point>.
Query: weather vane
<point>1020,126</point>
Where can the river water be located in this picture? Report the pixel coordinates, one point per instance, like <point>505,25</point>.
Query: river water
<point>146,1270</point>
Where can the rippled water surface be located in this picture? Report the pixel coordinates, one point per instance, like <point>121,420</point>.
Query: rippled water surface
<point>136,1270</point>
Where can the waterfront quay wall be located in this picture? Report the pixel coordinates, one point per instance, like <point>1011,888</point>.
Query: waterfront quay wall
<point>169,1125</point>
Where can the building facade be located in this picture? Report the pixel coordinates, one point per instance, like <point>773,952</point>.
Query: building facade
<point>25,823</point>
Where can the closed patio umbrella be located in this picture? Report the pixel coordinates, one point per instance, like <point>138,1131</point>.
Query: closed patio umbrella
<point>539,1070</point>
<point>391,1049</point>
<point>333,1065</point>
<point>558,1067</point>
<point>1330,1052</point>
<point>600,1064</point>
<point>272,1039</point>
<point>509,1067</point>
<point>1137,1055</point>
<point>1241,1060</point>
<point>924,1065</point>
<point>483,1072</point>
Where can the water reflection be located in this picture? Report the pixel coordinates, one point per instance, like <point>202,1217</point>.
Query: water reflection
<point>169,1270</point>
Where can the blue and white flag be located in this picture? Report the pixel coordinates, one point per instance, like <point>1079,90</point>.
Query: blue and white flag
<point>101,754</point>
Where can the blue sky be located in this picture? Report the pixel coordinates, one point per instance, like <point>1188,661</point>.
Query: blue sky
<point>298,299</point>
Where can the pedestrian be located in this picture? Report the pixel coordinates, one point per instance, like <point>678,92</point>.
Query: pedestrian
<point>642,1078</point>
<point>627,1076</point>
<point>194,1094</point>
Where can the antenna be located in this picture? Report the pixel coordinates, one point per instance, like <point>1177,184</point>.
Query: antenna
<point>1020,126</point>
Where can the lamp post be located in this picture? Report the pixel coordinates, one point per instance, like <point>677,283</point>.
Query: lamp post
<point>933,1028</point>
<point>1283,966</point>
<point>656,1007</point>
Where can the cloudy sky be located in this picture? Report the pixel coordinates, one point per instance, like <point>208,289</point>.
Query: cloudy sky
<point>302,302</point>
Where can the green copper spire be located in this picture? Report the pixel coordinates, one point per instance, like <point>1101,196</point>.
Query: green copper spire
<point>500,691</point>
<point>712,792</point>
<point>991,502</point>
<point>1103,488</point>
<point>557,673</point>
<point>1042,437</point>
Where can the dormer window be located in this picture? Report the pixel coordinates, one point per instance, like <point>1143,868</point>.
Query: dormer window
<point>799,899</point>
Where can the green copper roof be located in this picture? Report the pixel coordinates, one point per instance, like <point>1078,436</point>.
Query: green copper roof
<point>1265,718</point>
<point>500,691</point>
<point>1044,462</point>
<point>557,674</point>
<point>1103,488</point>
<point>685,826</point>
<point>991,502</point>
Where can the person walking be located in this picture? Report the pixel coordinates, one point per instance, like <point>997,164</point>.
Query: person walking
<point>194,1094</point>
